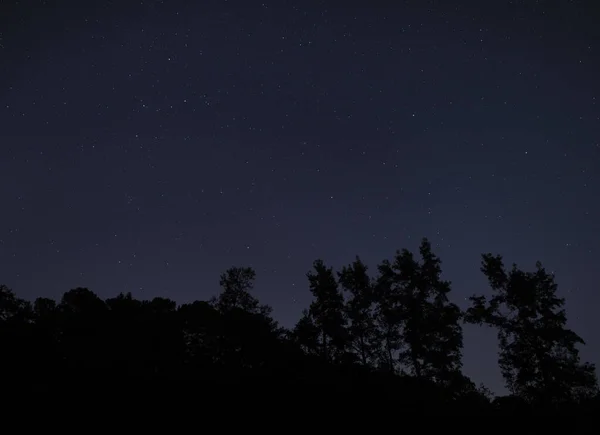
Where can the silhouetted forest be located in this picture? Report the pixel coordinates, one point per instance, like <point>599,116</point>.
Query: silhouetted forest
<point>393,334</point>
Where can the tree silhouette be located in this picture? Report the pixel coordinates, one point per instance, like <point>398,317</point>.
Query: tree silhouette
<point>389,316</point>
<point>83,330</point>
<point>307,334</point>
<point>326,312</point>
<point>539,358</point>
<point>427,323</point>
<point>128,336</point>
<point>16,332</point>
<point>363,335</point>
<point>165,340</point>
<point>237,284</point>
<point>400,319</point>
<point>246,332</point>
<point>200,323</point>
<point>46,336</point>
<point>12,308</point>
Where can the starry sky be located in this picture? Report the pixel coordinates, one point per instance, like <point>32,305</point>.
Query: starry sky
<point>147,146</point>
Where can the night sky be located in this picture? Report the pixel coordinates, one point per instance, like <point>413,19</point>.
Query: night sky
<point>148,146</point>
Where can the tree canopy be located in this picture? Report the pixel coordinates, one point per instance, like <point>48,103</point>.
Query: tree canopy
<point>396,332</point>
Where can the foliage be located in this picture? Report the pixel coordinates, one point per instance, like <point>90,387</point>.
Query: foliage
<point>414,301</point>
<point>395,336</point>
<point>363,335</point>
<point>538,356</point>
<point>325,315</point>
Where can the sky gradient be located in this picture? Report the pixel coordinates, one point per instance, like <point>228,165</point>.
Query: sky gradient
<point>147,147</point>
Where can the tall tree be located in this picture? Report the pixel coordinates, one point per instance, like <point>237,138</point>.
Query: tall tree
<point>428,323</point>
<point>538,357</point>
<point>247,332</point>
<point>237,284</point>
<point>443,354</point>
<point>307,335</point>
<point>327,312</point>
<point>388,316</point>
<point>363,334</point>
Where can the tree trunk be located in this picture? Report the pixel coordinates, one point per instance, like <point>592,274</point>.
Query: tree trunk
<point>362,350</point>
<point>416,364</point>
<point>390,356</point>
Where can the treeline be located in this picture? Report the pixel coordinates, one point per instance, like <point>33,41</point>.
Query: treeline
<point>395,333</point>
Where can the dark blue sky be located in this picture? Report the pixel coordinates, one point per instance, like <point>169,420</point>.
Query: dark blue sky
<point>147,147</point>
